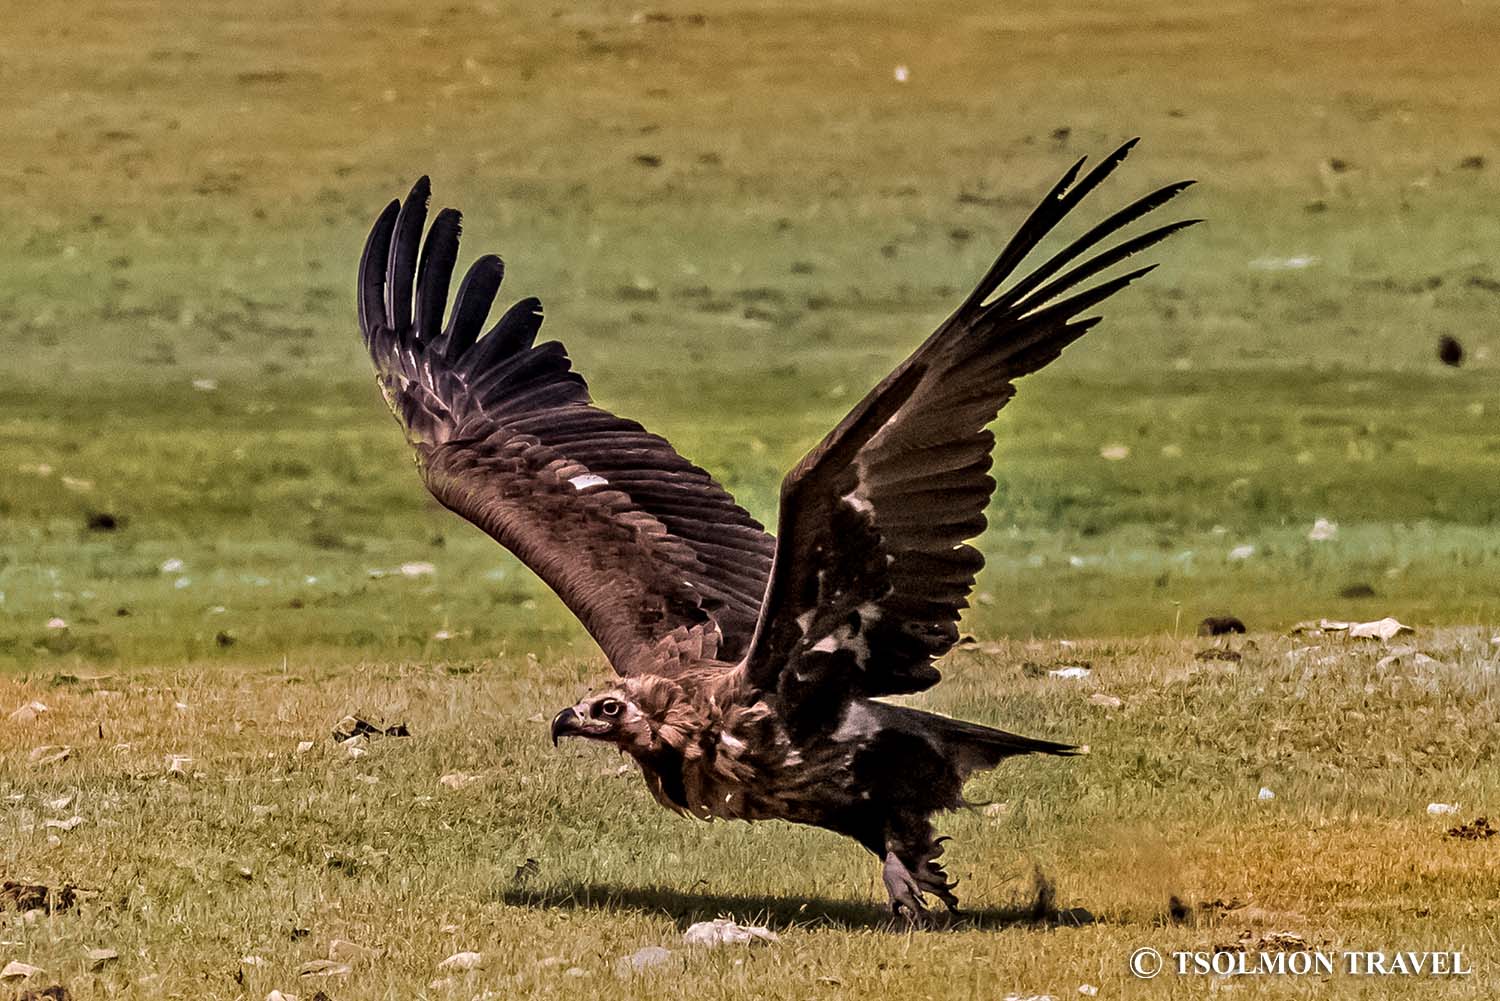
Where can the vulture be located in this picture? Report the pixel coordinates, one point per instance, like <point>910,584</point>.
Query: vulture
<point>750,668</point>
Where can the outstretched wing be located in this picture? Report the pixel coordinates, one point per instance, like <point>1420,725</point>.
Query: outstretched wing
<point>871,567</point>
<point>652,555</point>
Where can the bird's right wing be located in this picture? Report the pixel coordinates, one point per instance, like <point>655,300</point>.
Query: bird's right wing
<point>654,557</point>
<point>872,568</point>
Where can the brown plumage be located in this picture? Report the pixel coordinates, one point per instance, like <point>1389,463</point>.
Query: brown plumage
<point>750,667</point>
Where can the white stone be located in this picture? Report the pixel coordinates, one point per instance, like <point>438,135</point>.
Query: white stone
<point>724,931</point>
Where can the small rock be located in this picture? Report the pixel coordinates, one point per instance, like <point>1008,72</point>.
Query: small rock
<point>1441,809</point>
<point>418,569</point>
<point>1323,530</point>
<point>1088,990</point>
<point>49,754</point>
<point>724,931</point>
<point>278,996</point>
<point>644,959</point>
<point>100,958</point>
<point>252,961</point>
<point>1265,794</point>
<point>996,809</point>
<point>303,746</point>
<point>63,825</point>
<point>1107,701</point>
<point>458,780</point>
<point>1070,673</point>
<point>28,713</point>
<point>179,765</point>
<point>1412,657</point>
<point>324,968</point>
<point>1241,552</point>
<point>1114,453</point>
<point>575,971</point>
<point>343,951</point>
<point>17,970</point>
<point>462,961</point>
<point>1385,629</point>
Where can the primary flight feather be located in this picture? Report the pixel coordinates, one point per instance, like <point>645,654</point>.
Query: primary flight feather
<point>749,666</point>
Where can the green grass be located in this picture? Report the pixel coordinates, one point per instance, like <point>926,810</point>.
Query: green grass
<point>738,222</point>
<point>188,205</point>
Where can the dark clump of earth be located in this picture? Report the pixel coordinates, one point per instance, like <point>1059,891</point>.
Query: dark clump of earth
<point>1478,829</point>
<point>1450,352</point>
<point>35,896</point>
<point>1220,625</point>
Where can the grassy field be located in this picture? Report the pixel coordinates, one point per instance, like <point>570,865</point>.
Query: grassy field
<point>739,219</point>
<point>258,850</point>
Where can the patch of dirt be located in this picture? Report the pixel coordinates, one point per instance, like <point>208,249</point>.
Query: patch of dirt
<point>36,896</point>
<point>1478,829</point>
<point>1220,625</point>
<point>357,726</point>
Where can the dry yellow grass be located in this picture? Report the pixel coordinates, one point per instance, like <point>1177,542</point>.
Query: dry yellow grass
<point>186,874</point>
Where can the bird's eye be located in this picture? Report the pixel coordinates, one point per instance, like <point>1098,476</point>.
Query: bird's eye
<point>609,707</point>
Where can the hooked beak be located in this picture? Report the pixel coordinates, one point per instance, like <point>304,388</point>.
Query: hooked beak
<point>566,724</point>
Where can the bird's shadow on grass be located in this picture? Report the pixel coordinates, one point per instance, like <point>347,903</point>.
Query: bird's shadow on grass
<point>686,907</point>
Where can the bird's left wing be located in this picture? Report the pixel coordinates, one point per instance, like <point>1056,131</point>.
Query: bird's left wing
<point>654,557</point>
<point>872,568</point>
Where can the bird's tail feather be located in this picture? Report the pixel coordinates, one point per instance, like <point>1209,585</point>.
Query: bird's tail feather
<point>974,747</point>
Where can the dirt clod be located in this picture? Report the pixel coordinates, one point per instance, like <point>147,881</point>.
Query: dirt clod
<point>1220,625</point>
<point>36,896</point>
<point>1478,829</point>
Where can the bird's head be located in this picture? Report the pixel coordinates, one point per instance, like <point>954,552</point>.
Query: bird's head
<point>638,715</point>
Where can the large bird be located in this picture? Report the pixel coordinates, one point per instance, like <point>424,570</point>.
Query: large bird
<point>750,668</point>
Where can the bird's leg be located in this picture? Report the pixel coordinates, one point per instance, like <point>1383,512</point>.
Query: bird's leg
<point>904,891</point>
<point>911,871</point>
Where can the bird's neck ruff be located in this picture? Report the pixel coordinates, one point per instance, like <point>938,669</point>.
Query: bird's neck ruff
<point>675,723</point>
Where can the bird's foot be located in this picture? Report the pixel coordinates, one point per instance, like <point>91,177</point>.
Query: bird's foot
<point>933,878</point>
<point>905,892</point>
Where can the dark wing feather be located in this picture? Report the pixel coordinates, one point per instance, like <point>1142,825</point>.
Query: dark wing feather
<point>872,569</point>
<point>652,555</point>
